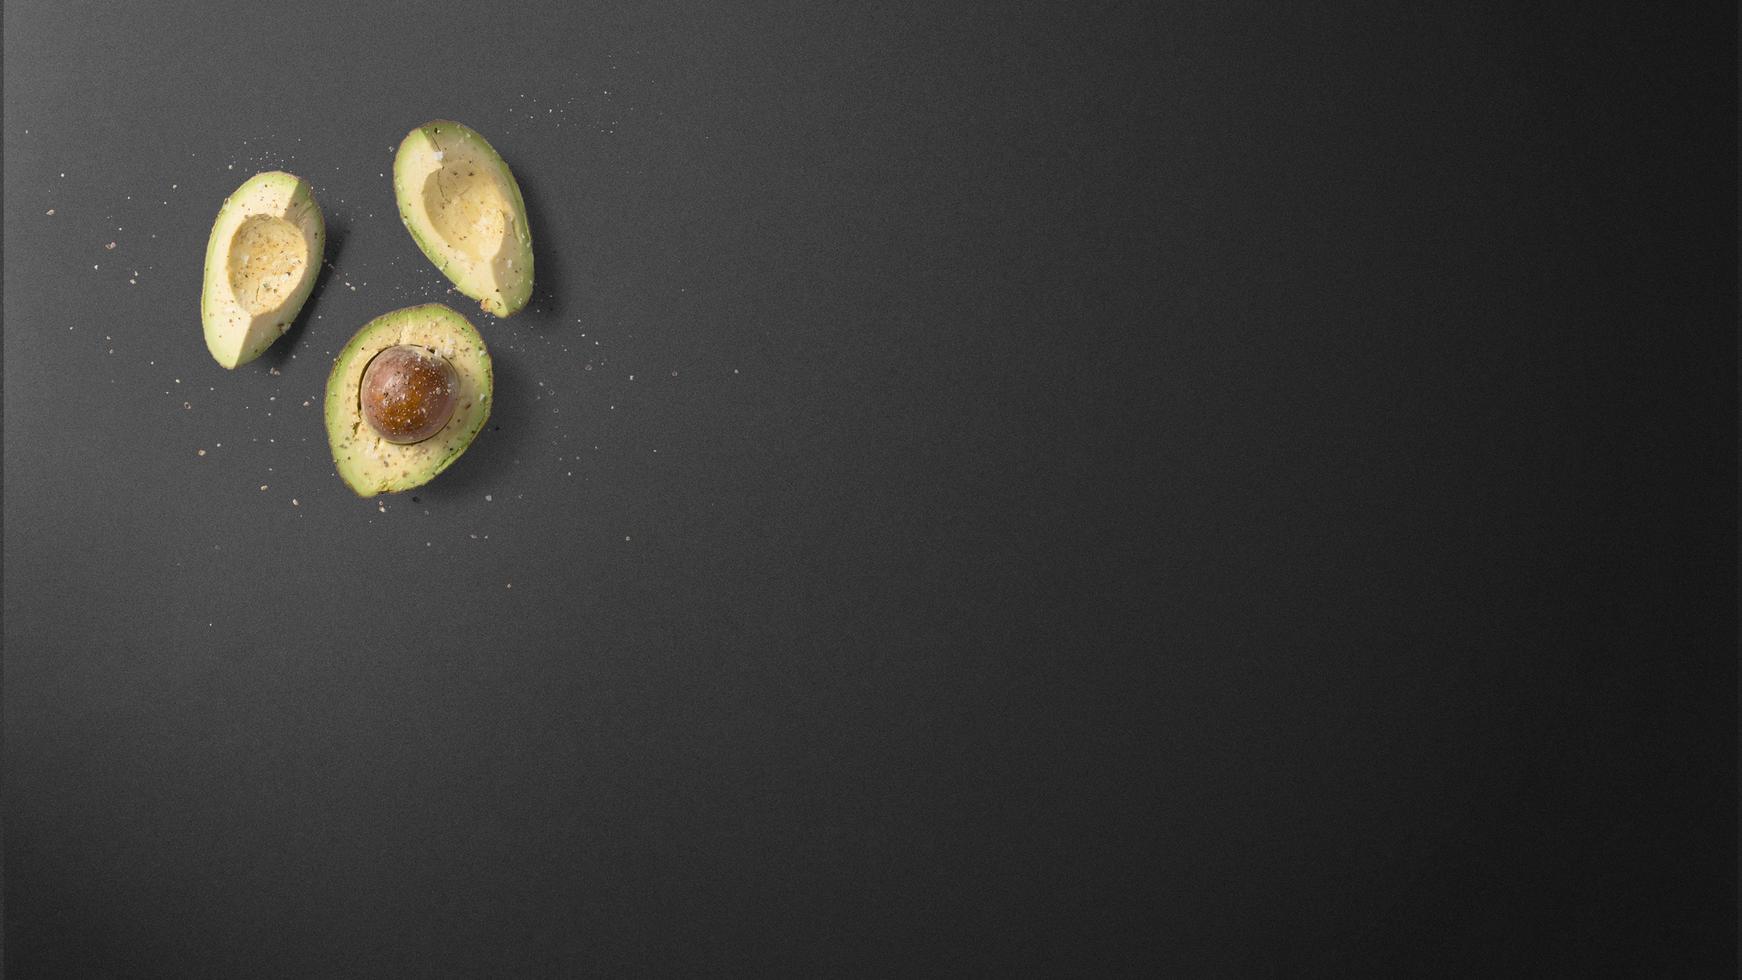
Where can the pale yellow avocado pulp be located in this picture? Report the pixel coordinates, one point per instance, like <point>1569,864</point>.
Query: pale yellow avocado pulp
<point>463,208</point>
<point>370,464</point>
<point>261,262</point>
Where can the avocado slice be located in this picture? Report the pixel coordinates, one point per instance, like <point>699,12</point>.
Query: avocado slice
<point>261,262</point>
<point>369,459</point>
<point>463,208</point>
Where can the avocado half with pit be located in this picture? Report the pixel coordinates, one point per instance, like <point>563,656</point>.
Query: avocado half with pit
<point>261,263</point>
<point>464,210</point>
<point>406,397</point>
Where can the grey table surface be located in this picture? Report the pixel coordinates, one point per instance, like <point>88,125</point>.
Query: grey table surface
<point>978,488</point>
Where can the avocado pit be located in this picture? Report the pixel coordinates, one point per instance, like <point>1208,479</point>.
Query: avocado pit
<point>408,393</point>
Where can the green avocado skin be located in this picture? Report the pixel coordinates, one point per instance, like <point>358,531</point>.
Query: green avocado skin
<point>350,438</point>
<point>517,291</point>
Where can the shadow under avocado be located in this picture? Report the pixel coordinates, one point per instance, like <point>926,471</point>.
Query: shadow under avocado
<point>486,461</point>
<point>547,293</point>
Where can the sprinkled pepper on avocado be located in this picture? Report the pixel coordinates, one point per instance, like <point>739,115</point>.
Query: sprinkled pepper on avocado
<point>406,397</point>
<point>464,210</point>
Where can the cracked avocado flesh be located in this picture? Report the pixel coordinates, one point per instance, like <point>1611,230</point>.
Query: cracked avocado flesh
<point>428,354</point>
<point>463,208</point>
<point>261,263</point>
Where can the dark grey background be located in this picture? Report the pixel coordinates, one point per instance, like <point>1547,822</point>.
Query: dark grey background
<point>1029,488</point>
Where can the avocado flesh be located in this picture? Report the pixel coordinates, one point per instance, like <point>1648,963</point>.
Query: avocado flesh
<point>370,464</point>
<point>463,208</point>
<point>261,263</point>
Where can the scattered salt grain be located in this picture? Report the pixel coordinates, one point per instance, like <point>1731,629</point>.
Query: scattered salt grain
<point>202,452</point>
<point>49,212</point>
<point>263,486</point>
<point>293,502</point>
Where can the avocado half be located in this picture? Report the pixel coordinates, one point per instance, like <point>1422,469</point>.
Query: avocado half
<point>370,464</point>
<point>463,208</point>
<point>261,262</point>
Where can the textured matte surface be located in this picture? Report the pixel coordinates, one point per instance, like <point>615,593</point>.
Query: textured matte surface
<point>978,488</point>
